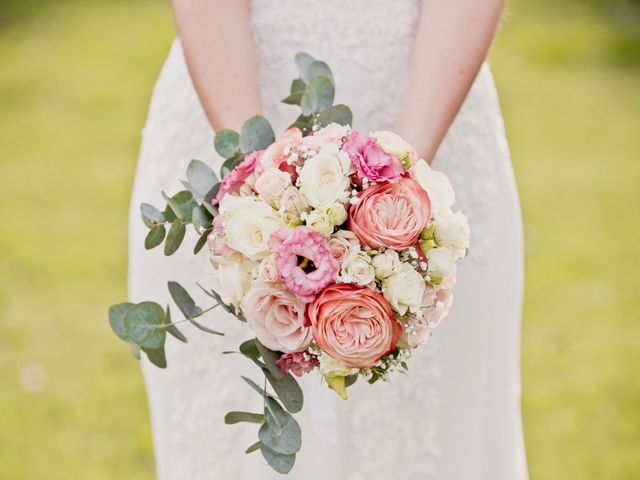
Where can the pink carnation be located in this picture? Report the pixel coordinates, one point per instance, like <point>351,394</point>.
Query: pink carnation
<point>304,261</point>
<point>233,180</point>
<point>297,363</point>
<point>371,161</point>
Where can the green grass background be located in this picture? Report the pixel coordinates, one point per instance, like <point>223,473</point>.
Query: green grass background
<point>75,79</point>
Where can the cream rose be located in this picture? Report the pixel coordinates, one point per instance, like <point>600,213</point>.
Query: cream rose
<point>441,263</point>
<point>272,183</point>
<point>337,213</point>
<point>277,318</point>
<point>267,271</point>
<point>249,222</point>
<point>360,270</point>
<point>324,177</point>
<point>231,277</point>
<point>344,246</point>
<point>386,263</point>
<point>404,289</point>
<point>452,231</point>
<point>395,145</point>
<point>292,202</point>
<point>436,184</point>
<point>320,221</point>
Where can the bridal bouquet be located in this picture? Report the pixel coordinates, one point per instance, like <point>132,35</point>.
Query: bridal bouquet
<point>337,248</point>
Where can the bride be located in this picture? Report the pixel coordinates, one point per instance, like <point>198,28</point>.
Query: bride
<point>416,66</point>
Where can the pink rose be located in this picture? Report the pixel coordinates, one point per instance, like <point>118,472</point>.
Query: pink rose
<point>304,261</point>
<point>271,184</point>
<point>436,303</point>
<point>297,363</point>
<point>372,163</point>
<point>353,325</point>
<point>277,318</point>
<point>233,180</point>
<point>276,154</point>
<point>292,201</point>
<point>344,246</point>
<point>390,215</point>
<point>267,270</point>
<point>332,133</point>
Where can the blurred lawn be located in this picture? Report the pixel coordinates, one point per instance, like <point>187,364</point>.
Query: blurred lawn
<point>75,79</point>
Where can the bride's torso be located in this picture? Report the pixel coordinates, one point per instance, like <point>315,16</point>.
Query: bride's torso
<point>367,43</point>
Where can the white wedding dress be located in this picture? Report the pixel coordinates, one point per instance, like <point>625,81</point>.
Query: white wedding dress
<point>456,415</point>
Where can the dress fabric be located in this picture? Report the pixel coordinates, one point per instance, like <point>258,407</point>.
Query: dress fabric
<point>456,414</point>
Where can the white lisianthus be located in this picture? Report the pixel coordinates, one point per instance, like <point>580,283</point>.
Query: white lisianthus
<point>324,177</point>
<point>386,263</point>
<point>272,183</point>
<point>360,270</point>
<point>249,222</point>
<point>337,213</point>
<point>404,289</point>
<point>452,231</point>
<point>320,221</point>
<point>441,263</point>
<point>395,145</point>
<point>436,184</point>
<point>332,367</point>
<point>231,277</point>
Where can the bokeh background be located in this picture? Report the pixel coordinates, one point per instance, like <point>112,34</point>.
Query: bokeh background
<point>75,79</point>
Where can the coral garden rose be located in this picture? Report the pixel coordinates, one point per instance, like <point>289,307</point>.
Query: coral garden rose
<point>390,215</point>
<point>371,162</point>
<point>233,180</point>
<point>353,325</point>
<point>304,261</point>
<point>277,318</point>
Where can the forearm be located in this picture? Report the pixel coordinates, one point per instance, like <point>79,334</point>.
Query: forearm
<point>452,41</point>
<point>219,51</point>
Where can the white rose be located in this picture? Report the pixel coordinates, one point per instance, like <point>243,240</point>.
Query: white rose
<point>320,221</point>
<point>452,232</point>
<point>395,145</point>
<point>441,263</point>
<point>360,270</point>
<point>337,213</point>
<point>272,183</point>
<point>386,263</point>
<point>249,222</point>
<point>330,366</point>
<point>324,177</point>
<point>436,184</point>
<point>231,277</point>
<point>404,289</point>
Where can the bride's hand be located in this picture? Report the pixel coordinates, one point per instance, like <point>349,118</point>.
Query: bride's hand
<point>452,41</point>
<point>219,51</point>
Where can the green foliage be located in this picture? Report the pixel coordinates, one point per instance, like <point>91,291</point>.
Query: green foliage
<point>237,417</point>
<point>256,134</point>
<point>143,325</point>
<point>227,143</point>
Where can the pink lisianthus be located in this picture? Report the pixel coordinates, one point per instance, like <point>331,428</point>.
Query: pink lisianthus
<point>390,215</point>
<point>304,261</point>
<point>372,163</point>
<point>297,363</point>
<point>233,180</point>
<point>353,325</point>
<point>276,154</point>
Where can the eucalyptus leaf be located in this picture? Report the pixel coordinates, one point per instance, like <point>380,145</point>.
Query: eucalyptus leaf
<point>171,328</point>
<point>279,462</point>
<point>183,300</point>
<point>269,357</point>
<point>181,204</point>
<point>287,389</point>
<point>253,448</point>
<point>317,69</point>
<point>256,134</point>
<point>226,143</point>
<point>135,350</point>
<point>202,241</point>
<point>249,349</point>
<point>201,219</point>
<point>237,417</point>
<point>156,356</point>
<point>228,165</point>
<point>155,236</point>
<point>281,434</point>
<point>201,177</point>
<point>116,319</point>
<point>255,386</point>
<point>199,326</point>
<point>303,60</point>
<point>151,215</point>
<point>143,325</point>
<point>318,95</point>
<point>350,380</point>
<point>297,89</point>
<point>340,114</point>
<point>175,237</point>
